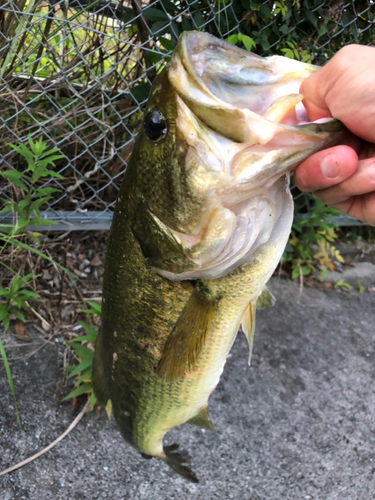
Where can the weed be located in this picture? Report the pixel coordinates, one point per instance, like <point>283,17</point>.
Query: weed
<point>26,211</point>
<point>15,299</point>
<point>83,348</point>
<point>310,244</point>
<point>343,284</point>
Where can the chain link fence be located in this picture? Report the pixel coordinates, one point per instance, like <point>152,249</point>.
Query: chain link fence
<point>77,73</point>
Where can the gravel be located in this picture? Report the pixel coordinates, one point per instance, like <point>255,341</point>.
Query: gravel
<point>298,424</point>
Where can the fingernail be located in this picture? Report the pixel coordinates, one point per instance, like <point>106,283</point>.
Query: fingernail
<point>371,171</point>
<point>330,166</point>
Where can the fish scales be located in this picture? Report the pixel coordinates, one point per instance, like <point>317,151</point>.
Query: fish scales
<point>201,221</point>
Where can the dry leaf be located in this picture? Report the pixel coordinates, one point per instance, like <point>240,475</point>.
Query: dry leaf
<point>47,275</point>
<point>20,331</point>
<point>96,262</point>
<point>45,325</point>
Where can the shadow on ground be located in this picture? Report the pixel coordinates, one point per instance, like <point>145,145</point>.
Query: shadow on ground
<point>298,424</point>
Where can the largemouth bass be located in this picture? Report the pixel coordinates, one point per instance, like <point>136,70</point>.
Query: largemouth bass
<point>201,222</point>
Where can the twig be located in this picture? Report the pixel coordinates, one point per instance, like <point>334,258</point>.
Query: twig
<point>38,315</point>
<point>50,446</point>
<point>29,354</point>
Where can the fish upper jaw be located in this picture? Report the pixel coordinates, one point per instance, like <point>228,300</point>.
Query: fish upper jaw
<point>242,115</point>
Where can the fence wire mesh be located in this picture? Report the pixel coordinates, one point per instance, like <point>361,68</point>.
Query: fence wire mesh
<point>77,73</point>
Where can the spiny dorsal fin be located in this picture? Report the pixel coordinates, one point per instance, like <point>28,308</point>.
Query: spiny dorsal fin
<point>266,299</point>
<point>248,325</point>
<point>188,336</point>
<point>202,419</point>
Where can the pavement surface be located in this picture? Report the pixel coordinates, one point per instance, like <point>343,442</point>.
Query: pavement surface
<point>298,424</point>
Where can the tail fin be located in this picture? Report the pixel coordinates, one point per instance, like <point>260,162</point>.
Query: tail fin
<point>179,462</point>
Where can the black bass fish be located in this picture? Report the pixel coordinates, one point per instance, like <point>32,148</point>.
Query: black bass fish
<point>201,222</point>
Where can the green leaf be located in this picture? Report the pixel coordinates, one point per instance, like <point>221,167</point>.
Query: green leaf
<point>6,322</point>
<point>80,368</point>
<point>89,329</point>
<point>16,284</point>
<point>169,6</point>
<point>22,281</point>
<point>28,295</point>
<point>44,191</point>
<point>84,338</point>
<point>167,44</point>
<point>248,42</point>
<point>154,14</point>
<point>233,39</point>
<point>83,352</point>
<point>96,308</point>
<point>3,311</point>
<point>159,27</point>
<point>18,314</point>
<point>20,302</point>
<point>26,153</point>
<point>52,174</point>
<point>311,17</point>
<point>10,380</point>
<point>140,92</point>
<point>86,375</point>
<point>14,177</point>
<point>83,389</point>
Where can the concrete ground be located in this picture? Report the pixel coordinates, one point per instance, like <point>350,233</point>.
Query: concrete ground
<point>298,424</point>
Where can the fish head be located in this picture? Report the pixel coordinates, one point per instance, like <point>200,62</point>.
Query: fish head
<point>222,128</point>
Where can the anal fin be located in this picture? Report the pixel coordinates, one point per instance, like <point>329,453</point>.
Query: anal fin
<point>202,419</point>
<point>185,342</point>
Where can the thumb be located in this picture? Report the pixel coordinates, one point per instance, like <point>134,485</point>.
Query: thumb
<point>314,89</point>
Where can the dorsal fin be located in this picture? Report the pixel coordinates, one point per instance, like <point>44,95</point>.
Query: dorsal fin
<point>202,419</point>
<point>248,325</point>
<point>185,342</point>
<point>266,299</point>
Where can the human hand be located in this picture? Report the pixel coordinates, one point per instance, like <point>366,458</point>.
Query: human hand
<point>343,176</point>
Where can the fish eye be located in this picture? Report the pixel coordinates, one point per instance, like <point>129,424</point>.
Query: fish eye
<point>155,125</point>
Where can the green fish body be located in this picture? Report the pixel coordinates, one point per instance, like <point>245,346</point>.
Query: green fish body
<point>201,222</point>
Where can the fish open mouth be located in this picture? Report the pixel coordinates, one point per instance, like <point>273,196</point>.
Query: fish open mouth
<point>245,124</point>
<point>253,102</point>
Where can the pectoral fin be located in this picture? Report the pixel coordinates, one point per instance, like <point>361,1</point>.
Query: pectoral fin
<point>202,419</point>
<point>188,336</point>
<point>266,299</point>
<point>248,325</point>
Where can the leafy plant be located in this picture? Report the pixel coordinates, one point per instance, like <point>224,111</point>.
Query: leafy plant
<point>15,299</point>
<point>83,348</point>
<point>38,159</point>
<point>343,284</point>
<point>244,39</point>
<point>310,245</point>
